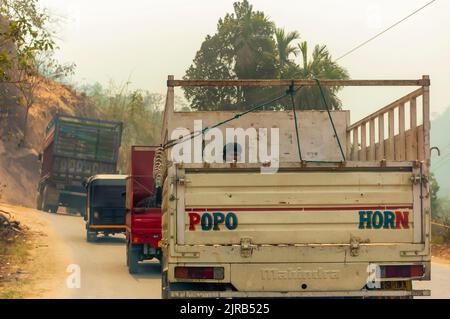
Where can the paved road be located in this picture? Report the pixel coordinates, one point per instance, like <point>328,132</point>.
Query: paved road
<point>104,273</point>
<point>440,282</point>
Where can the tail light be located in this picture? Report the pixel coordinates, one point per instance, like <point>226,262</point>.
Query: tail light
<point>136,239</point>
<point>199,273</point>
<point>402,271</point>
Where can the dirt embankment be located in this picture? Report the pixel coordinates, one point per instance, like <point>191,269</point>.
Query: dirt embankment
<point>19,166</point>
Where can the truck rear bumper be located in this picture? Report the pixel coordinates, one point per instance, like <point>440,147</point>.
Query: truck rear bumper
<point>306,294</point>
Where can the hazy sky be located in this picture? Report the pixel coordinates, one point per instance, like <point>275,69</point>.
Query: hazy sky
<point>147,40</point>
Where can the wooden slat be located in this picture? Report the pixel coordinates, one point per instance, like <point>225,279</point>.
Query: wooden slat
<point>401,147</point>
<point>349,145</point>
<point>387,108</point>
<point>381,151</point>
<point>372,140</point>
<point>420,143</point>
<point>411,136</point>
<point>391,141</point>
<point>355,145</point>
<point>411,144</point>
<point>297,83</point>
<point>413,113</point>
<point>363,142</point>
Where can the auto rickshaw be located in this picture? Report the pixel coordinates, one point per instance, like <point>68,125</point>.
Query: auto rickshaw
<point>105,209</point>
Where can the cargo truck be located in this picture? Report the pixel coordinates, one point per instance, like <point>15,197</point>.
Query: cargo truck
<point>143,209</point>
<point>75,148</point>
<point>350,217</point>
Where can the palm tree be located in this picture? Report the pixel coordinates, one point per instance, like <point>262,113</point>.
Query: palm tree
<point>285,49</point>
<point>321,66</point>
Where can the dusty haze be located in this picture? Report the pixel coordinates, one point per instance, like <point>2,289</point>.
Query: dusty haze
<point>147,39</point>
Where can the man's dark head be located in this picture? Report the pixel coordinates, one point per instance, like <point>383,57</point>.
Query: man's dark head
<point>232,152</point>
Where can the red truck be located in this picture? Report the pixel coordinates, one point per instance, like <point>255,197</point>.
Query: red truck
<point>143,209</point>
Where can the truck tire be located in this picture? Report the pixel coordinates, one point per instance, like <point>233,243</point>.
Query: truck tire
<point>91,236</point>
<point>39,201</point>
<point>46,204</point>
<point>133,252</point>
<point>165,289</point>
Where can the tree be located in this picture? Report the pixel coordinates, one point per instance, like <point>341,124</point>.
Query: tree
<point>26,54</point>
<point>320,66</point>
<point>434,189</point>
<point>24,33</point>
<point>212,61</point>
<point>247,45</point>
<point>42,68</point>
<point>242,48</point>
<point>285,49</point>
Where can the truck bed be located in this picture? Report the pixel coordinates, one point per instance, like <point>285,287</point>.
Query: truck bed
<point>76,147</point>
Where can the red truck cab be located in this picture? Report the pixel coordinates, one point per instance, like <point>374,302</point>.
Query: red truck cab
<point>143,209</point>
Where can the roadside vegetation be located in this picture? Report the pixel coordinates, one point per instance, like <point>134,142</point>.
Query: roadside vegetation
<point>27,64</point>
<point>27,46</point>
<point>14,250</point>
<point>440,214</point>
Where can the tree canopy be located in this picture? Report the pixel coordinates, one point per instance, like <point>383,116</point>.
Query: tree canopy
<point>140,112</point>
<point>26,58</point>
<point>248,45</point>
<point>23,33</point>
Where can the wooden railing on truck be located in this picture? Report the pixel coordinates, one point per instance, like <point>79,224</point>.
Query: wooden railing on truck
<point>382,135</point>
<point>376,137</point>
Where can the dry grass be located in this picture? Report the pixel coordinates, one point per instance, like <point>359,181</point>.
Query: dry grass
<point>13,255</point>
<point>441,251</point>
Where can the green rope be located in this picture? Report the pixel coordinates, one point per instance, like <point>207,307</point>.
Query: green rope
<point>331,118</point>
<point>292,92</point>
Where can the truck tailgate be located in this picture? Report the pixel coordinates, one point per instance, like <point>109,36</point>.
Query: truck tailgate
<point>299,207</point>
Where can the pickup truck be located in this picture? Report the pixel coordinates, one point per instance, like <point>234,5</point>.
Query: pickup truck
<point>321,226</point>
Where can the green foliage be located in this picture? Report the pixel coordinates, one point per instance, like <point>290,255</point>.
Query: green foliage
<point>286,50</point>
<point>242,48</point>
<point>320,66</point>
<point>247,45</point>
<point>140,112</point>
<point>49,68</point>
<point>434,189</point>
<point>26,56</point>
<point>24,35</point>
<point>440,205</point>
